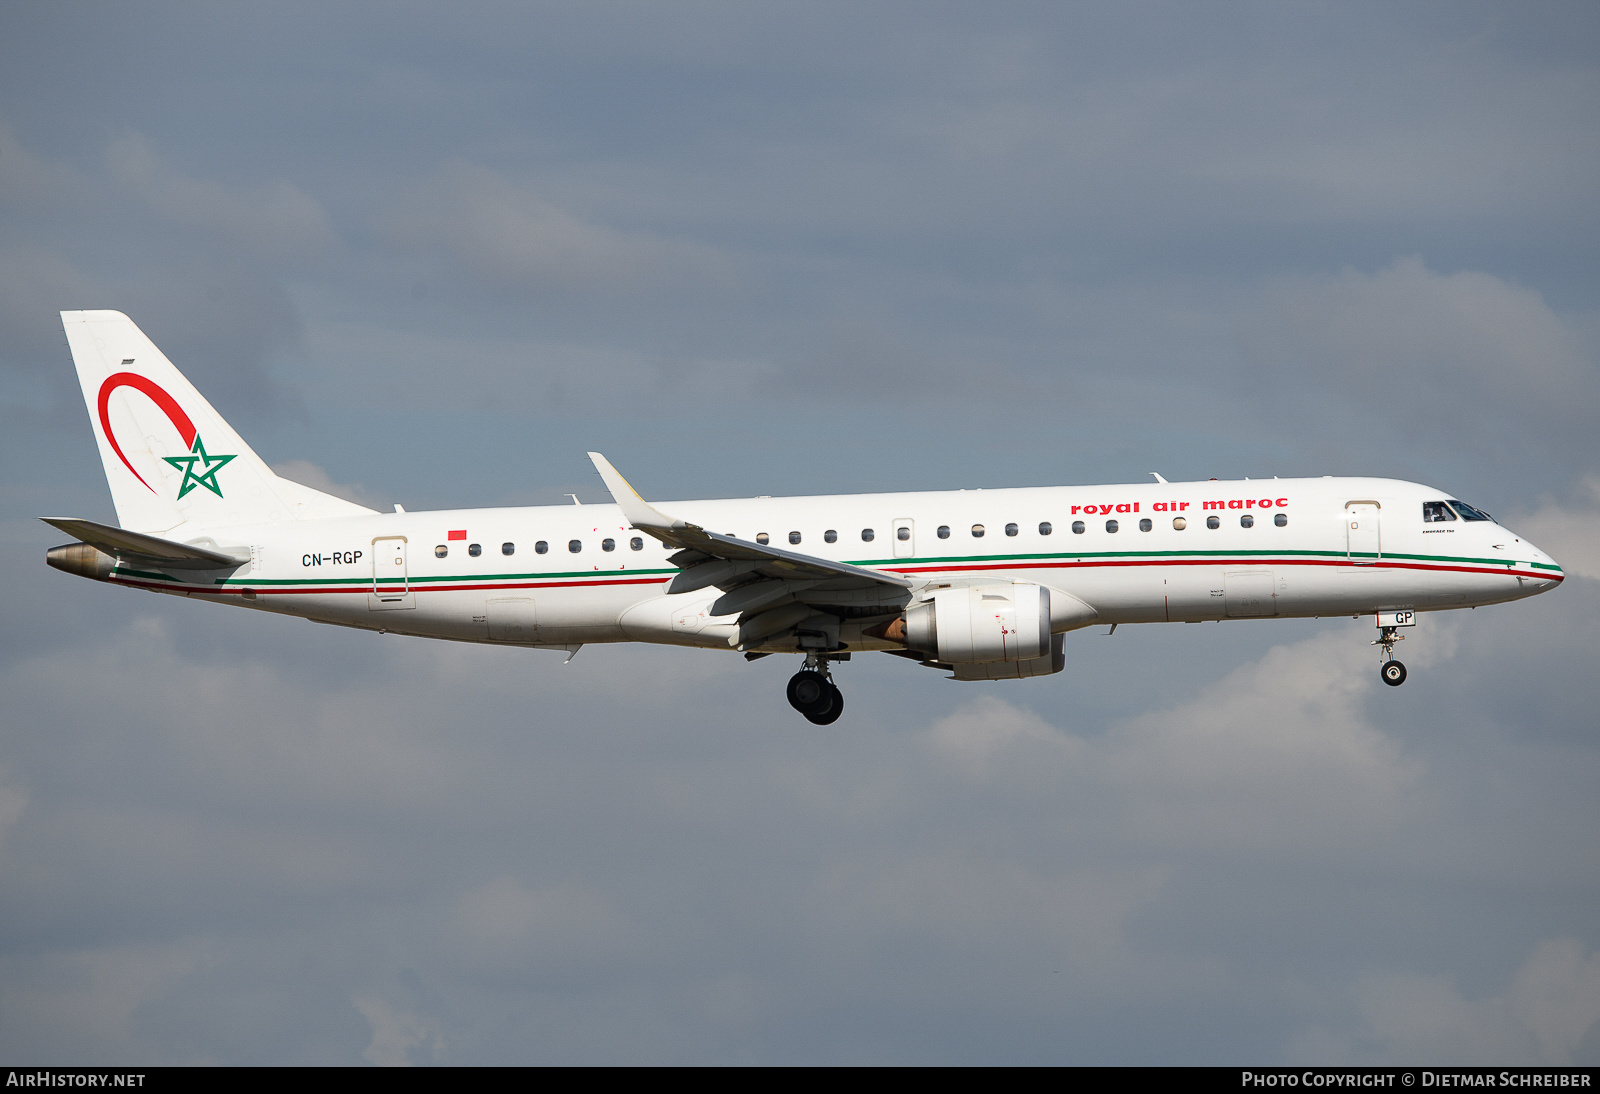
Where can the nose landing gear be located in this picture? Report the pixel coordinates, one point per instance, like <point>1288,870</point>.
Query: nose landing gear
<point>813,693</point>
<point>1392,671</point>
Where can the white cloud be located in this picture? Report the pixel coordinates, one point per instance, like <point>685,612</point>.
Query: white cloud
<point>978,735</point>
<point>1466,358</point>
<point>399,1038</point>
<point>66,1005</point>
<point>309,474</point>
<point>1570,534</point>
<point>1543,1018</point>
<point>1277,753</point>
<point>507,234</point>
<point>273,218</point>
<point>1556,996</point>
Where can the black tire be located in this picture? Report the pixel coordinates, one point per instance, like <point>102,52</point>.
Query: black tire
<point>1393,673</point>
<point>809,692</point>
<point>835,708</point>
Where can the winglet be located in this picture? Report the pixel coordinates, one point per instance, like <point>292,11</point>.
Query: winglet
<point>640,513</point>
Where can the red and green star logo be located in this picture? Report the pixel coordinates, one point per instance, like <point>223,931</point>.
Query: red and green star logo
<point>198,468</point>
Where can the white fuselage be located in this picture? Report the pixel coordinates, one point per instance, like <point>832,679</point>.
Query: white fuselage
<point>1280,547</point>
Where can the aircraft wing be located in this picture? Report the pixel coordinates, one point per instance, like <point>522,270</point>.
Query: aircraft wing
<point>120,541</point>
<point>763,585</point>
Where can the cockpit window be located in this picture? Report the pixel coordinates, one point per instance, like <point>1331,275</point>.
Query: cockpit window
<point>1433,511</point>
<point>1468,512</point>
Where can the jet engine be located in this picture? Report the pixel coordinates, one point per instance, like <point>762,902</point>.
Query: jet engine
<point>981,624</point>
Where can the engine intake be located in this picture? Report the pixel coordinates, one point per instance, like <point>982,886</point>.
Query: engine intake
<point>981,624</point>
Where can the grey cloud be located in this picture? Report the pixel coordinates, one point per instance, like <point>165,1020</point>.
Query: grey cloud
<point>36,284</point>
<point>275,218</point>
<point>487,370</point>
<point>572,880</point>
<point>508,235</point>
<point>28,180</point>
<point>506,928</point>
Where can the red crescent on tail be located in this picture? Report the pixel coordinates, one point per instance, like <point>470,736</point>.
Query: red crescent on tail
<point>159,396</point>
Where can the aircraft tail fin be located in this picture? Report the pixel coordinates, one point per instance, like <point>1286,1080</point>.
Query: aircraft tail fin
<point>170,458</point>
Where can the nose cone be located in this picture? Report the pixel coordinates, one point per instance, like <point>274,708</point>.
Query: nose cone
<point>1548,573</point>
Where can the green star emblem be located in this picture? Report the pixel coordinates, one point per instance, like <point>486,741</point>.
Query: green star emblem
<point>206,476</point>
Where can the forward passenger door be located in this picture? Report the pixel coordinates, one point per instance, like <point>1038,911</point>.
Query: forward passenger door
<point>1363,535</point>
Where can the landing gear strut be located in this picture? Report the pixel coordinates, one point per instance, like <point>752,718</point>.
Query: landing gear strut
<point>813,693</point>
<point>1392,671</point>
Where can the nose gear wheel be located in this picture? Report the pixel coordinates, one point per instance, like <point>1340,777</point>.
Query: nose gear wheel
<point>1391,671</point>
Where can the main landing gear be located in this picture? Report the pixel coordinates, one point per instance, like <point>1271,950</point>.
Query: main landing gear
<point>813,693</point>
<point>1392,671</point>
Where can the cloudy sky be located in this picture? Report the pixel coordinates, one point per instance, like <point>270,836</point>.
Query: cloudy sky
<point>432,254</point>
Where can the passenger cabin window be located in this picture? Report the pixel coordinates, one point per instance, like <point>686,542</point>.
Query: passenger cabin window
<point>574,545</point>
<point>440,551</point>
<point>977,531</point>
<point>1213,522</point>
<point>1281,520</point>
<point>474,549</point>
<point>1111,526</point>
<point>1468,512</point>
<point>541,547</point>
<point>1247,521</point>
<point>1179,524</point>
<point>508,548</point>
<point>944,531</point>
<point>868,535</point>
<point>1077,527</point>
<point>1011,529</point>
<point>902,534</point>
<point>636,543</point>
<point>1044,528</point>
<point>763,539</point>
<point>1436,511</point>
<point>830,536</point>
<point>794,537</point>
<point>608,545</point>
<point>1145,525</point>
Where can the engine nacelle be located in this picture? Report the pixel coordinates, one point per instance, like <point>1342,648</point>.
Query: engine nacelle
<point>980,624</point>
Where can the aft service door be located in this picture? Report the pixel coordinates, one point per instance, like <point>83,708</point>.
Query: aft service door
<point>1363,534</point>
<point>391,585</point>
<point>511,619</point>
<point>905,538</point>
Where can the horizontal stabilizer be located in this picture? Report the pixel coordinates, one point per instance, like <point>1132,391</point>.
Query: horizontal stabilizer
<point>120,541</point>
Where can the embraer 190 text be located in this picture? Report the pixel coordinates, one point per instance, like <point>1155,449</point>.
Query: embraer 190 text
<point>983,584</point>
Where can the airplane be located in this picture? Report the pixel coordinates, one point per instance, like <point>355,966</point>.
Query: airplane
<point>981,584</point>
